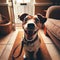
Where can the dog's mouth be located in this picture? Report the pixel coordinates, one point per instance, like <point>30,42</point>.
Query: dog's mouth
<point>29,34</point>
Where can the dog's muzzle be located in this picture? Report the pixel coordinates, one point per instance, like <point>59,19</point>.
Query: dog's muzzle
<point>30,31</point>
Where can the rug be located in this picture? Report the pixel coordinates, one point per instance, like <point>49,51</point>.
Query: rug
<point>44,55</point>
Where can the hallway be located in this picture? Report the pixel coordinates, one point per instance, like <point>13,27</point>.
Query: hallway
<point>11,9</point>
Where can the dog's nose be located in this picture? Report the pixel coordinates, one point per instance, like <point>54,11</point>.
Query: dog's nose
<point>30,26</point>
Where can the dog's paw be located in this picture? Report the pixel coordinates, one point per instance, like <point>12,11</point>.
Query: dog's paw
<point>25,58</point>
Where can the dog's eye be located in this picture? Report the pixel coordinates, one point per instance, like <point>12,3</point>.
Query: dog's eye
<point>37,20</point>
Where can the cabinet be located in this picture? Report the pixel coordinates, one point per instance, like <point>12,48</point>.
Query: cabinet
<point>41,6</point>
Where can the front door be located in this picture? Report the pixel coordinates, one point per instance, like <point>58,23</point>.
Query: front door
<point>20,9</point>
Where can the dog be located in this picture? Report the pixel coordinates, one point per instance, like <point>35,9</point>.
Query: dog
<point>31,25</point>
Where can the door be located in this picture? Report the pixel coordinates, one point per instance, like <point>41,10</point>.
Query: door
<point>20,9</point>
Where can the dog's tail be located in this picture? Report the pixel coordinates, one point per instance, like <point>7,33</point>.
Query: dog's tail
<point>13,58</point>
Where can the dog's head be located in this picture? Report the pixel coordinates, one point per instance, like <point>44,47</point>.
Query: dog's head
<point>31,23</point>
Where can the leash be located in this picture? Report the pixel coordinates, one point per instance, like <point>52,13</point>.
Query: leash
<point>13,58</point>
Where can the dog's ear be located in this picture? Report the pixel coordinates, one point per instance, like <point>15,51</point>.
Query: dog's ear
<point>22,16</point>
<point>41,18</point>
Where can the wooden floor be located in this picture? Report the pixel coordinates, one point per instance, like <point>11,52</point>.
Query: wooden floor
<point>7,42</point>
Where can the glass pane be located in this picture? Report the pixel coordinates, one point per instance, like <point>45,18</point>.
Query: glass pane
<point>19,1</point>
<point>26,1</point>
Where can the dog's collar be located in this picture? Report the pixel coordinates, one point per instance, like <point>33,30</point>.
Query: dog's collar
<point>27,42</point>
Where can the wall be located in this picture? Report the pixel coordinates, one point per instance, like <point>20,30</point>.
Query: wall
<point>2,1</point>
<point>43,1</point>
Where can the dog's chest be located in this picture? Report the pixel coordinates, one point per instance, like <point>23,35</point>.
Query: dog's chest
<point>32,45</point>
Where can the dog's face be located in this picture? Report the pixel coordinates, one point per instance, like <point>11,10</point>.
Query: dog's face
<point>31,23</point>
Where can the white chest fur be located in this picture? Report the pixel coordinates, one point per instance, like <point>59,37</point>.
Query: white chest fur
<point>33,46</point>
